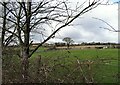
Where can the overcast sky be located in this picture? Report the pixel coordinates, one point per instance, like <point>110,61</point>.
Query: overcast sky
<point>88,29</point>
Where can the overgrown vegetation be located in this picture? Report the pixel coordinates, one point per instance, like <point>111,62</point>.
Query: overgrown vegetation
<point>65,66</point>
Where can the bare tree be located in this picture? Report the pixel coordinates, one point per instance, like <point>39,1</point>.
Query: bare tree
<point>27,17</point>
<point>68,41</point>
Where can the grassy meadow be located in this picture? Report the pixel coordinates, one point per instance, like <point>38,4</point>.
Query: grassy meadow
<point>66,66</point>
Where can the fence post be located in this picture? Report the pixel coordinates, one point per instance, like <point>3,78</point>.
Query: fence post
<point>38,67</point>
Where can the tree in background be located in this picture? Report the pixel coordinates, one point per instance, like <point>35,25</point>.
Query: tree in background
<point>68,41</point>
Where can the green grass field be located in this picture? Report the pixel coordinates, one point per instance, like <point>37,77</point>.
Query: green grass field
<point>104,72</point>
<point>101,65</point>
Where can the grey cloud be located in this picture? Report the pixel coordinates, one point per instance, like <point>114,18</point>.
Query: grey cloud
<point>89,30</point>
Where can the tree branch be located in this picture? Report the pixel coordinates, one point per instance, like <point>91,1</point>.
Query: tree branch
<point>111,27</point>
<point>67,23</point>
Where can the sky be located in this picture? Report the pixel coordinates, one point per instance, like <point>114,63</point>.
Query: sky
<point>87,29</point>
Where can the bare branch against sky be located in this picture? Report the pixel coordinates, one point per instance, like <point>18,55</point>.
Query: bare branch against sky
<point>80,25</point>
<point>87,24</point>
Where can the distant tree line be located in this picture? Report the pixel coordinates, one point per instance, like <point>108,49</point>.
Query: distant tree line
<point>64,44</point>
<point>59,44</point>
<point>85,43</point>
<point>98,43</point>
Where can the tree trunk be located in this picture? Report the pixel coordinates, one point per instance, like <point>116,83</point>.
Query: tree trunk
<point>25,66</point>
<point>68,45</point>
<point>25,46</point>
<point>4,25</point>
